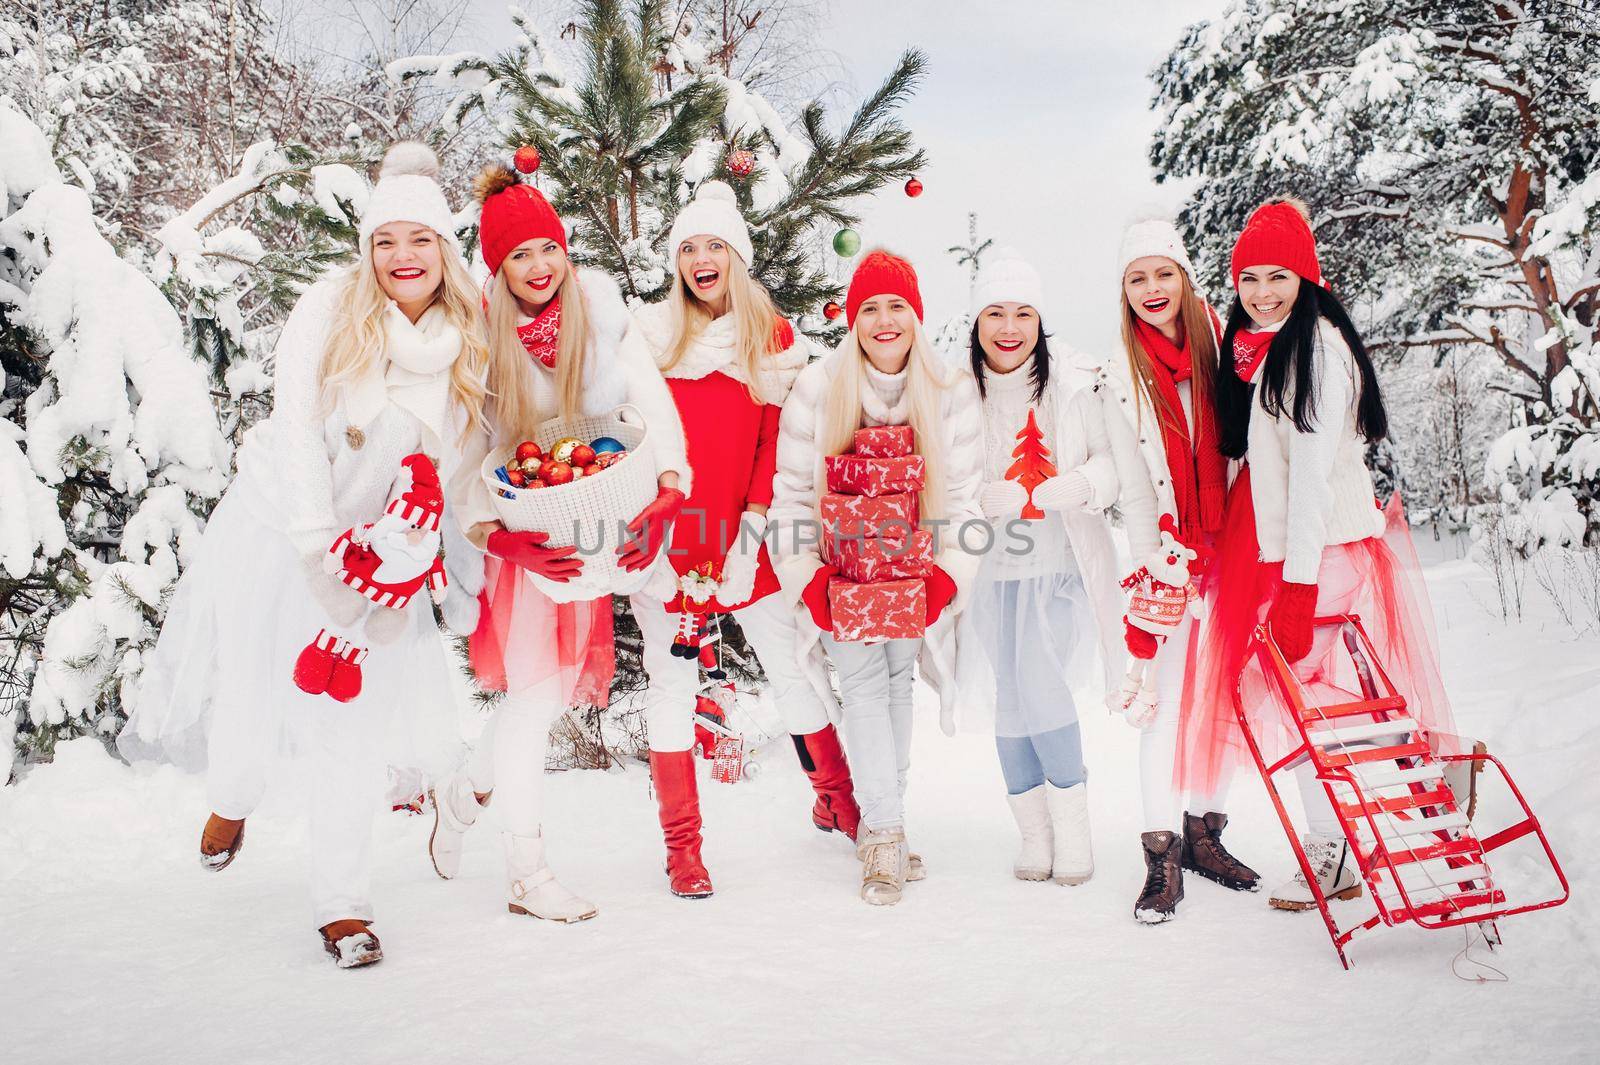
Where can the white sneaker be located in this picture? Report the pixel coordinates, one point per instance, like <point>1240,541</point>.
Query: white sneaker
<point>533,890</point>
<point>1037,856</point>
<point>1328,857</point>
<point>884,865</point>
<point>1073,860</point>
<point>455,809</point>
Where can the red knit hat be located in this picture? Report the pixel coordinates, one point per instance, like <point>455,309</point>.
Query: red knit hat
<point>1278,234</point>
<point>881,273</point>
<point>512,213</point>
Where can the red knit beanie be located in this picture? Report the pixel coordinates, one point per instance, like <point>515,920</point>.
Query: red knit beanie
<point>512,213</point>
<point>1278,234</point>
<point>881,273</point>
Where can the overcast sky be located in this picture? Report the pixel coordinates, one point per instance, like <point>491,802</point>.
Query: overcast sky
<point>1033,114</point>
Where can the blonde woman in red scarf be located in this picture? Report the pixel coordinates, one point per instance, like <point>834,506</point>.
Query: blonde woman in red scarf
<point>1163,386</point>
<point>561,343</point>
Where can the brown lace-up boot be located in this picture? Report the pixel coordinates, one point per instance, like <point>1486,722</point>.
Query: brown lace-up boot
<point>1163,878</point>
<point>1204,854</point>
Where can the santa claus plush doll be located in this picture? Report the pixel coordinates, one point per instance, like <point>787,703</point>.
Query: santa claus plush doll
<point>388,562</point>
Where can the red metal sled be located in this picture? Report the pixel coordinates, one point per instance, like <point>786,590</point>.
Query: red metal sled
<point>1413,840</point>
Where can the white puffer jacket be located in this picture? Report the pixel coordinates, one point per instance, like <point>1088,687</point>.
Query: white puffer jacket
<point>1092,437</point>
<point>1313,490</point>
<point>795,523</point>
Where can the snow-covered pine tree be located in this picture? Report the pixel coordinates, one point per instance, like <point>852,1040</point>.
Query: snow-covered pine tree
<point>1449,152</point>
<point>111,444</point>
<point>650,115</point>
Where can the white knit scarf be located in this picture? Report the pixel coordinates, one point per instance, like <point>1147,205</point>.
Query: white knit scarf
<point>716,350</point>
<point>414,373</point>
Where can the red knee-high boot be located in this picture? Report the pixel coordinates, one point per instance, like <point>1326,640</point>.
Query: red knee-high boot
<point>823,760</point>
<point>679,800</point>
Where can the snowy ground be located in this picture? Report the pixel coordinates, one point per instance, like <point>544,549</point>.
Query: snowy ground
<point>117,946</point>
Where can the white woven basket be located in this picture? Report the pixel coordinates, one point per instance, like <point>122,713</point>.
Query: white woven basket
<point>590,512</point>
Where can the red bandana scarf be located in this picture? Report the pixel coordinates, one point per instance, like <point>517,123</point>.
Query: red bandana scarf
<point>1199,472</point>
<point>540,335</point>
<point>1249,352</point>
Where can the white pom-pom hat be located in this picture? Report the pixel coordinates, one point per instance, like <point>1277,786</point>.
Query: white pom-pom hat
<point>1153,236</point>
<point>408,192</point>
<point>714,212</point>
<point>1006,278</point>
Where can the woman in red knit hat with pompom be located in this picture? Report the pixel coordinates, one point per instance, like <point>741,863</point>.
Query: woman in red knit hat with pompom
<point>1302,534</point>
<point>561,343</point>
<point>730,361</point>
<point>884,372</point>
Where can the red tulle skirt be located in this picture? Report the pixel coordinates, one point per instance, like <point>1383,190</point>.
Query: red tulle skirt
<point>524,638</point>
<point>1377,579</point>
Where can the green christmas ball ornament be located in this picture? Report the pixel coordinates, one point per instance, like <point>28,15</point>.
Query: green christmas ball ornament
<point>846,243</point>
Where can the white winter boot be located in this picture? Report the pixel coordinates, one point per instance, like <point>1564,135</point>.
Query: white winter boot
<point>1073,861</point>
<point>533,890</point>
<point>1329,857</point>
<point>1037,856</point>
<point>884,865</point>
<point>455,809</point>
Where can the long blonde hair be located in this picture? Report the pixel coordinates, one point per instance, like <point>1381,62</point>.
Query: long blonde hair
<point>842,410</point>
<point>1202,344</point>
<point>357,338</point>
<point>754,320</point>
<point>511,370</point>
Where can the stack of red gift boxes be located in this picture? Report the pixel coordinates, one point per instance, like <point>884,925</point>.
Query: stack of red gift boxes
<point>869,531</point>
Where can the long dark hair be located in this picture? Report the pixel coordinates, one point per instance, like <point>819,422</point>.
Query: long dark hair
<point>1287,382</point>
<point>1040,374</point>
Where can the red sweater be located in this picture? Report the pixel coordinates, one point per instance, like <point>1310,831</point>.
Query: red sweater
<point>733,451</point>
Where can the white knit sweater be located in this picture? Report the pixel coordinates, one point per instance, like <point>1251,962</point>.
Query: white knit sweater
<point>1313,490</point>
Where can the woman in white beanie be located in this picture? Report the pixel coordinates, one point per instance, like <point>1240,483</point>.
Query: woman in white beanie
<point>729,360</point>
<point>1048,605</point>
<point>1170,339</point>
<point>380,362</point>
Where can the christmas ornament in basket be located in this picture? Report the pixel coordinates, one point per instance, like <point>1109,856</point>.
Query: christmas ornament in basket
<point>588,510</point>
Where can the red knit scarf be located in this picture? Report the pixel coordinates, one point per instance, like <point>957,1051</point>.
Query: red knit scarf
<point>1199,472</point>
<point>540,335</point>
<point>1249,352</point>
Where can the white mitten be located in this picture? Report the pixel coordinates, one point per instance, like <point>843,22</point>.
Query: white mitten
<point>1070,491</point>
<point>342,603</point>
<point>738,581</point>
<point>1002,499</point>
<point>464,564</point>
<point>385,626</point>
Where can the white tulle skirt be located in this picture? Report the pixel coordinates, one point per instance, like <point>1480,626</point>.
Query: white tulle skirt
<point>219,687</point>
<point>1039,637</point>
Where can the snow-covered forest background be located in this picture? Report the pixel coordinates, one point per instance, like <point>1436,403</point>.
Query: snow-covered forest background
<point>173,172</point>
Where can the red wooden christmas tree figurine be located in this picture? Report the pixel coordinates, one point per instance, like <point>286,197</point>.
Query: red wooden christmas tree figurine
<point>1033,466</point>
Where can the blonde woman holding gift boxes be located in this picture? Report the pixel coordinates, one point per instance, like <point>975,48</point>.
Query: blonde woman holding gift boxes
<point>884,373</point>
<point>1047,602</point>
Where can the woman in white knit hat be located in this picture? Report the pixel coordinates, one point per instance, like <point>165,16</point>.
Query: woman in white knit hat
<point>1048,604</point>
<point>729,360</point>
<point>1162,383</point>
<point>263,651</point>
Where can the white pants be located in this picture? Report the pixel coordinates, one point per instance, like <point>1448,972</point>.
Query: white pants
<point>1158,745</point>
<point>348,780</point>
<point>875,682</point>
<point>769,627</point>
<point>509,757</point>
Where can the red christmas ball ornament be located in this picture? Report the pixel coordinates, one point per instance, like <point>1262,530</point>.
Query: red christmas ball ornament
<point>526,159</point>
<point>741,162</point>
<point>528,450</point>
<point>592,469</point>
<point>555,473</point>
<point>913,188</point>
<point>582,455</point>
<point>517,478</point>
<point>831,310</point>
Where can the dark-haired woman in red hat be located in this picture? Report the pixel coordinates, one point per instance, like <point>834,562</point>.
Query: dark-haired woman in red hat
<point>561,343</point>
<point>1303,536</point>
<point>883,373</point>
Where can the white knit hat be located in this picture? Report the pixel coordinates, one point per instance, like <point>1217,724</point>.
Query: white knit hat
<point>1153,236</point>
<point>715,212</point>
<point>407,192</point>
<point>1006,278</point>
